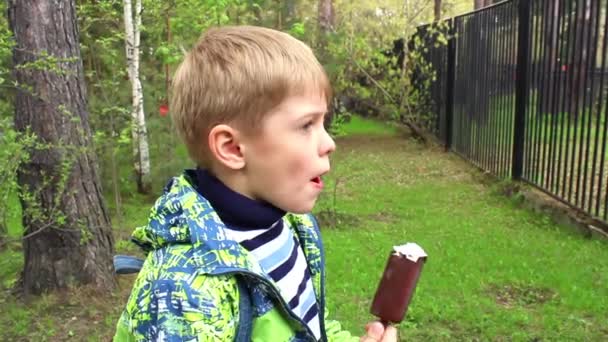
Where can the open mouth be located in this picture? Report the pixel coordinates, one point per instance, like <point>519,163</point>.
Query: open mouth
<point>317,180</point>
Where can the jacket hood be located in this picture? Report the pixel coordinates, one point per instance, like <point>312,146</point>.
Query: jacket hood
<point>166,222</point>
<point>182,216</point>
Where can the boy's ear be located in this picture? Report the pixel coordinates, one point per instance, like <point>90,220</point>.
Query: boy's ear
<point>224,145</point>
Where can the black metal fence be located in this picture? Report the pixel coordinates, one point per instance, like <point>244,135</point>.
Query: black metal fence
<point>521,90</point>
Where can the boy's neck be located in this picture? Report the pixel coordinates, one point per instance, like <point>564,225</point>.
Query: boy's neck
<point>232,179</point>
<point>233,207</point>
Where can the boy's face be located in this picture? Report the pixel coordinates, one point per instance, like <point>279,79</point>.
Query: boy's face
<point>285,162</point>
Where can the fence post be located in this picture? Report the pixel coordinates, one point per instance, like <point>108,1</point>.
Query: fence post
<point>451,73</point>
<point>521,92</point>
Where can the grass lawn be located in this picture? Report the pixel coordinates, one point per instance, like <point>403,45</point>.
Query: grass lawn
<point>495,272</point>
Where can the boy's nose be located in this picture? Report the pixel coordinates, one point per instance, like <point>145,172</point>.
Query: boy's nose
<point>328,145</point>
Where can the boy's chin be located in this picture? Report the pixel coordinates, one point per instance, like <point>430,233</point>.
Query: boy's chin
<point>300,209</point>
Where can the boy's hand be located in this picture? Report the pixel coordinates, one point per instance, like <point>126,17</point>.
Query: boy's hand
<point>376,332</point>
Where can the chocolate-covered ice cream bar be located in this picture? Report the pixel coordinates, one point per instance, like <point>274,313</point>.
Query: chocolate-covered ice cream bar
<point>398,282</point>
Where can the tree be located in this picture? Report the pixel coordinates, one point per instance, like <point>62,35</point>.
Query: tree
<point>141,153</point>
<point>68,239</point>
<point>288,13</point>
<point>326,22</point>
<point>437,10</point>
<point>327,16</point>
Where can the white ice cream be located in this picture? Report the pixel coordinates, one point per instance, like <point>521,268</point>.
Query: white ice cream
<point>411,251</point>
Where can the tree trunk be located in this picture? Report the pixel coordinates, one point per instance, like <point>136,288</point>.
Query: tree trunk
<point>279,9</point>
<point>289,13</point>
<point>327,16</point>
<point>437,10</point>
<point>326,21</point>
<point>139,132</point>
<point>68,239</point>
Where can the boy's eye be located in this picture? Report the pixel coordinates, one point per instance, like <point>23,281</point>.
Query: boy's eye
<point>307,125</point>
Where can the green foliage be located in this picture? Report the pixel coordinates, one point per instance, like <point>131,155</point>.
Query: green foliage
<point>103,52</point>
<point>55,179</point>
<point>170,28</point>
<point>420,106</point>
<point>363,65</point>
<point>49,63</point>
<point>186,19</point>
<point>14,151</point>
<point>298,30</point>
<point>6,44</point>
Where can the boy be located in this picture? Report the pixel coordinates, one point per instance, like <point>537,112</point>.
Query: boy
<point>232,253</point>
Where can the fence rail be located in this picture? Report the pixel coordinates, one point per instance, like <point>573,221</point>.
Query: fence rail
<point>521,90</point>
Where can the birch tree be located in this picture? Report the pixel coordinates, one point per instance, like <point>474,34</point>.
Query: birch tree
<point>139,133</point>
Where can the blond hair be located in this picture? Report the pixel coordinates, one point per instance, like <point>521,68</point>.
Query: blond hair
<point>235,75</point>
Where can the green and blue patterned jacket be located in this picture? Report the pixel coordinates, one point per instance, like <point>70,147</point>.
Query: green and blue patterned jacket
<point>188,287</point>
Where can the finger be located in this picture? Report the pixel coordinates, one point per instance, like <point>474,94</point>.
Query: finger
<point>374,332</point>
<point>390,334</point>
<point>368,338</point>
